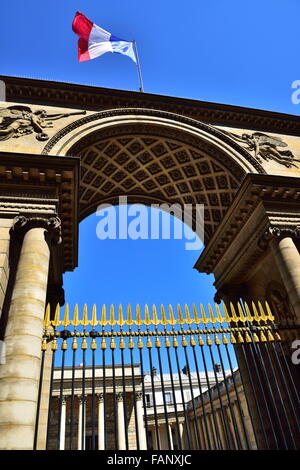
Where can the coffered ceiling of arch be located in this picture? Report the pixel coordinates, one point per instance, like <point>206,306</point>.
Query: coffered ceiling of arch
<point>156,166</point>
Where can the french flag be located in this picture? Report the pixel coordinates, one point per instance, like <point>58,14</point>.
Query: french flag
<point>94,41</point>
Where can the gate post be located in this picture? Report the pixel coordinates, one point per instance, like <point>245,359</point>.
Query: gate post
<point>19,376</point>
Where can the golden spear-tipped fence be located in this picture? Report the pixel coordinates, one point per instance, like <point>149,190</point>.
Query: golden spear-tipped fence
<point>238,320</point>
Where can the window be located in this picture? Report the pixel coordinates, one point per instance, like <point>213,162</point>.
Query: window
<point>169,399</point>
<point>148,400</point>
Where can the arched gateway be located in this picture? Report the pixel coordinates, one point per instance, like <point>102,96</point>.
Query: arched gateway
<point>65,149</point>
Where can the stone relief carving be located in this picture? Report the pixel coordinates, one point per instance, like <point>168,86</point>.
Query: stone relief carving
<point>265,147</point>
<point>17,121</point>
<point>279,303</point>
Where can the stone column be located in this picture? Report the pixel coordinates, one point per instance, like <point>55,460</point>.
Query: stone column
<point>212,432</point>
<point>81,404</point>
<point>140,420</point>
<point>121,429</point>
<point>287,258</point>
<point>44,406</point>
<point>19,376</point>
<point>181,433</point>
<point>171,437</point>
<point>63,424</point>
<point>101,421</point>
<point>157,438</point>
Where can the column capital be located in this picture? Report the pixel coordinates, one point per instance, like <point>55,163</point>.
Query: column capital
<point>138,395</point>
<point>119,396</point>
<point>278,233</point>
<point>100,397</point>
<point>22,224</point>
<point>81,399</point>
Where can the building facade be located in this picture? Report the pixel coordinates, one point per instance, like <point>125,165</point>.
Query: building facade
<point>66,148</point>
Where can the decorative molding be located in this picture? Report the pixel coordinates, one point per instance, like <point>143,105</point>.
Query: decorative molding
<point>60,94</point>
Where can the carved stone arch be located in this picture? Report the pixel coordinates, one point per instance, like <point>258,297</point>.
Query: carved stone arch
<point>154,157</point>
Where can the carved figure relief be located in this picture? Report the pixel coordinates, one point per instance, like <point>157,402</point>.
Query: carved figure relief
<point>265,147</point>
<point>279,303</point>
<point>17,121</point>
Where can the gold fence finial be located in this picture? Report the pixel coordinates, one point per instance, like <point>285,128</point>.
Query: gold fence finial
<point>121,321</point>
<point>75,322</point>
<point>211,314</point>
<point>112,320</point>
<point>103,322</point>
<point>164,320</point>
<point>226,313</point>
<point>147,320</point>
<point>188,318</point>
<point>129,320</point>
<point>242,317</point>
<point>264,317</point>
<point>138,318</point>
<point>256,314</point>
<point>155,320</point>
<point>269,312</point>
<point>249,316</point>
<point>172,320</point>
<point>220,319</point>
<point>203,316</point>
<point>47,321</point>
<point>234,316</point>
<point>180,317</point>
<point>85,318</point>
<point>196,319</point>
<point>94,321</point>
<point>56,322</point>
<point>66,322</point>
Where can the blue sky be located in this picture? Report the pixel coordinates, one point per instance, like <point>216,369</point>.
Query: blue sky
<point>241,53</point>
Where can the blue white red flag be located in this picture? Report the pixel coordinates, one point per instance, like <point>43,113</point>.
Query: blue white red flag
<point>94,41</point>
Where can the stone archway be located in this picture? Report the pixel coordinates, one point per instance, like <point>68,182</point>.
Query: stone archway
<point>152,149</point>
<point>154,157</point>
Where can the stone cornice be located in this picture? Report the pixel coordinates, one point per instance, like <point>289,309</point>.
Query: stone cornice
<point>275,191</point>
<point>41,186</point>
<point>44,92</point>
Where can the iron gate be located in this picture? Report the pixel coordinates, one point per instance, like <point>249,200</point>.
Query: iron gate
<point>215,379</point>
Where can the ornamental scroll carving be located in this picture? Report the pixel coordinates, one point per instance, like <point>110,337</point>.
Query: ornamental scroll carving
<point>279,233</point>
<point>17,121</point>
<point>265,147</point>
<point>53,226</point>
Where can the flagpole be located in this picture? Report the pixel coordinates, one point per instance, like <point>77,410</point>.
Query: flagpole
<point>138,66</point>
